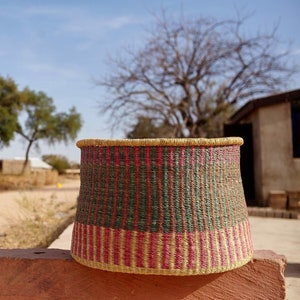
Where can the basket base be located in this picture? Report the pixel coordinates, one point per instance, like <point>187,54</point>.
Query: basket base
<point>148,271</point>
<point>183,254</point>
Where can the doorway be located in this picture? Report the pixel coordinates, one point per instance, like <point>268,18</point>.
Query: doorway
<point>247,158</point>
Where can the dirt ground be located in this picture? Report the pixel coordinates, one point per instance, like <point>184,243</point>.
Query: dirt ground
<point>33,218</point>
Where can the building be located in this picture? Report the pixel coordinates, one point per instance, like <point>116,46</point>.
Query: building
<point>15,166</point>
<point>270,156</point>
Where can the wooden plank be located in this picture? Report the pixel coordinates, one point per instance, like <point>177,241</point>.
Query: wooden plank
<point>53,274</point>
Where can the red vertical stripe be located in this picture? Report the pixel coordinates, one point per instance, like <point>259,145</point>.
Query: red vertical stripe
<point>116,256</point>
<point>236,242</point>
<point>106,245</point>
<point>90,230</point>
<point>179,251</point>
<point>182,188</point>
<point>137,201</point>
<point>171,189</point>
<point>153,250</point>
<point>99,242</point>
<point>202,250</point>
<point>84,242</point>
<point>213,250</point>
<point>222,247</point>
<point>148,188</point>
<point>166,251</point>
<point>107,184</point>
<point>74,244</point>
<point>116,189</point>
<point>99,183</point>
<point>127,252</point>
<point>126,187</point>
<point>140,250</point>
<point>192,190</point>
<point>159,188</point>
<point>192,250</point>
<point>231,248</point>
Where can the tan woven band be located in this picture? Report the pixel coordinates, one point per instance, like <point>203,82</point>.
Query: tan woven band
<point>162,142</point>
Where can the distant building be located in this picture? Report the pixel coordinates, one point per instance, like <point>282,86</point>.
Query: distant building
<point>15,166</point>
<point>270,156</point>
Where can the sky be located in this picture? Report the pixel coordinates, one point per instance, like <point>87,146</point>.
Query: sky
<point>60,48</point>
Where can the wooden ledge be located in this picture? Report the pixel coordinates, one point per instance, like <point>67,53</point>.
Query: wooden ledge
<point>53,274</point>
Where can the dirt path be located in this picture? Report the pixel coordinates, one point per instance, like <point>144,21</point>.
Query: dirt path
<point>36,208</point>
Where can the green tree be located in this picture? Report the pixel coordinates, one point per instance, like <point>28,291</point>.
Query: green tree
<point>58,162</point>
<point>145,128</point>
<point>10,105</point>
<point>42,122</point>
<point>191,73</point>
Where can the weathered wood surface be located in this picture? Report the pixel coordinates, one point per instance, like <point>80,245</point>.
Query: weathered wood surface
<point>53,274</point>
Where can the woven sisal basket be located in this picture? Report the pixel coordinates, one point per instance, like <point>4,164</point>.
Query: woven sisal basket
<point>161,206</point>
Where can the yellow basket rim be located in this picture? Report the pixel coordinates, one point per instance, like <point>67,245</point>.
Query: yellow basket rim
<point>161,142</point>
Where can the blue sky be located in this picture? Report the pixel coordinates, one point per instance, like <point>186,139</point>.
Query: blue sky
<point>59,47</point>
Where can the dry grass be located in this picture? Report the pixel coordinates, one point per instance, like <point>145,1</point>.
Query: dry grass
<point>41,218</point>
<point>21,182</point>
<point>42,222</point>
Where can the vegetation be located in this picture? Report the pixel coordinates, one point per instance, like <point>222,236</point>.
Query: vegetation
<point>33,116</point>
<point>58,162</point>
<point>145,128</point>
<point>42,221</point>
<point>44,123</point>
<point>10,106</point>
<point>25,182</point>
<point>190,74</point>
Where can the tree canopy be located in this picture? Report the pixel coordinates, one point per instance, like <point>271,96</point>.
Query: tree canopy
<point>42,122</point>
<point>10,105</point>
<point>33,116</point>
<point>189,75</point>
<point>60,163</point>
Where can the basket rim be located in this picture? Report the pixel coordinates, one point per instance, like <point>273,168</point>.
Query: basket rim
<point>224,141</point>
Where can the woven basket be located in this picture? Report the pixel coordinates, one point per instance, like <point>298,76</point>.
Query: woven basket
<point>161,206</point>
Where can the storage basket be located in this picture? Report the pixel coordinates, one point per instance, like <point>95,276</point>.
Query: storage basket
<point>161,206</point>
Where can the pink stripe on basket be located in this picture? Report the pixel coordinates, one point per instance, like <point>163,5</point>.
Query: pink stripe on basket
<point>116,250</point>
<point>127,252</point>
<point>178,252</point>
<point>192,253</point>
<point>140,249</point>
<point>159,157</point>
<point>226,247</point>
<point>203,254</point>
<point>80,240</point>
<point>245,234</point>
<point>202,156</point>
<point>171,157</point>
<point>182,157</point>
<point>98,244</point>
<point>74,243</point>
<point>211,156</point>
<point>166,238</point>
<point>213,249</point>
<point>90,249</point>
<point>106,246</point>
<point>84,242</point>
<point>237,246</point>
<point>222,250</point>
<point>153,251</point>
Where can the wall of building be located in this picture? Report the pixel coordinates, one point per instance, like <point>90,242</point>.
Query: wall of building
<point>275,167</point>
<point>13,167</point>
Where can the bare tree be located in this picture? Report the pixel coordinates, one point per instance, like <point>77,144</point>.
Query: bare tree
<point>190,74</point>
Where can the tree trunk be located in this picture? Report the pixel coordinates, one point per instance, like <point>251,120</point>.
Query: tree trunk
<point>26,157</point>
